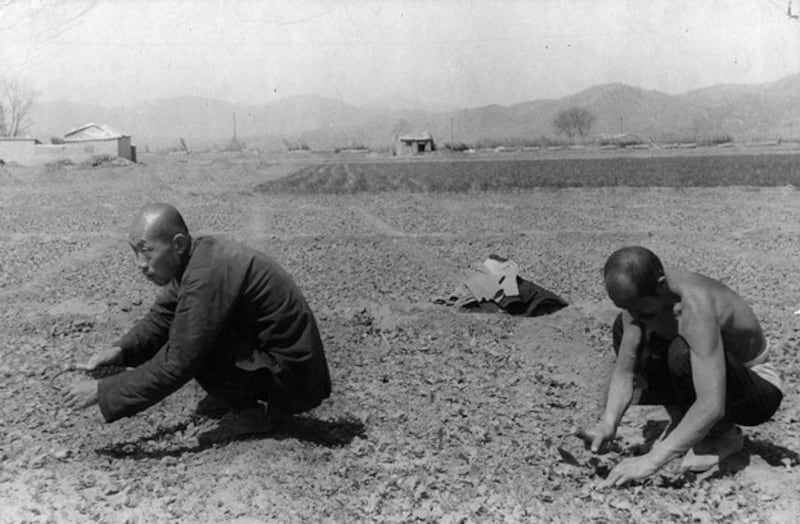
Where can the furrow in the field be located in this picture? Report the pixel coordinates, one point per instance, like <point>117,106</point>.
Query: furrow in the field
<point>303,176</point>
<point>38,263</point>
<point>377,223</point>
<point>256,230</point>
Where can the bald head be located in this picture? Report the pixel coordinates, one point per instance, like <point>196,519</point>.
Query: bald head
<point>632,271</point>
<point>161,242</point>
<point>159,221</point>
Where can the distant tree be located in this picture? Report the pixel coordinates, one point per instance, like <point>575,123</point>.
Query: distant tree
<point>574,122</point>
<point>51,19</point>
<point>16,100</point>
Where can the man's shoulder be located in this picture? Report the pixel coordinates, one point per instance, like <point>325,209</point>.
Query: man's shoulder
<point>703,298</point>
<point>223,250</point>
<point>215,254</point>
<point>222,246</point>
<point>692,285</point>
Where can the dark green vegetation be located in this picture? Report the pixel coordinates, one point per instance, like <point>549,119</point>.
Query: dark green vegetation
<point>422,176</point>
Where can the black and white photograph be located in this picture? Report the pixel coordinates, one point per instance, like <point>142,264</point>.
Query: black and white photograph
<point>399,261</point>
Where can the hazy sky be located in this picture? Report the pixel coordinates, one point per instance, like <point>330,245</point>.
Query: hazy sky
<point>463,53</point>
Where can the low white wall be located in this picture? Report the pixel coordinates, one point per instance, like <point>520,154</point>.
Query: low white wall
<point>77,152</point>
<point>19,150</point>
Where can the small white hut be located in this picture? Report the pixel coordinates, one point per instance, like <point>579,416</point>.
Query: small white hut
<point>414,144</point>
<point>100,139</point>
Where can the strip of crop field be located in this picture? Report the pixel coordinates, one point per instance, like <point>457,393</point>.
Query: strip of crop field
<point>500,175</point>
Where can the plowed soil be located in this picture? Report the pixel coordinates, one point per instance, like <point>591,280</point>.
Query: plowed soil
<point>437,415</point>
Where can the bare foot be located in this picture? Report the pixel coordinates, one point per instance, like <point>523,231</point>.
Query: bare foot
<point>718,445</point>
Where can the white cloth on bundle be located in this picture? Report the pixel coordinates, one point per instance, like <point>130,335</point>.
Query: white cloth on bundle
<point>765,369</point>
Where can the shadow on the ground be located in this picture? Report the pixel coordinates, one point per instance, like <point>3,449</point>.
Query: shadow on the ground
<point>772,454</point>
<point>329,433</point>
<point>152,445</point>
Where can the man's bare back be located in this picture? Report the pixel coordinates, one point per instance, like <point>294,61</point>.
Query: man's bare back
<point>740,330</point>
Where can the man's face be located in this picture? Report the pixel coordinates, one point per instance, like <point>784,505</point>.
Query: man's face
<point>645,310</point>
<point>158,260</point>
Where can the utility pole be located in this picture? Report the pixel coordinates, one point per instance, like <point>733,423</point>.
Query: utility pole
<point>451,129</point>
<point>621,129</point>
<point>234,127</point>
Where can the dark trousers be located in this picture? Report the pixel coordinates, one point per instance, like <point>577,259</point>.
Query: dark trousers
<point>242,389</point>
<point>666,368</point>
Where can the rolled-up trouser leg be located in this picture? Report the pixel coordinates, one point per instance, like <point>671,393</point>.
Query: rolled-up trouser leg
<point>749,399</point>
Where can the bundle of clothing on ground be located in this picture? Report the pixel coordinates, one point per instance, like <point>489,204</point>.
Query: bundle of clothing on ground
<point>496,286</point>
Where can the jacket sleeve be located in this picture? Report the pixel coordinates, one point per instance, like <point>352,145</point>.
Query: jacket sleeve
<point>204,303</point>
<point>146,337</point>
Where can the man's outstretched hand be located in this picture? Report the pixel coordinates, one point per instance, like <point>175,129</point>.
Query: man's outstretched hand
<point>81,394</point>
<point>599,437</point>
<point>631,469</point>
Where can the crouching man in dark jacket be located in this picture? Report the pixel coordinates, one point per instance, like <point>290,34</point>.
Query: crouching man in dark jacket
<point>228,316</point>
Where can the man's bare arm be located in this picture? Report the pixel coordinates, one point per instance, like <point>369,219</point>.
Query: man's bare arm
<point>699,325</point>
<point>620,387</point>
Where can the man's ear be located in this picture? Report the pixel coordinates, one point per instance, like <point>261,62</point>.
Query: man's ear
<point>180,242</point>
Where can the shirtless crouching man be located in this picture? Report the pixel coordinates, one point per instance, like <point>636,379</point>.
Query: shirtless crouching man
<point>691,344</point>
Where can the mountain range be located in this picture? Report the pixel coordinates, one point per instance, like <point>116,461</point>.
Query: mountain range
<point>743,111</point>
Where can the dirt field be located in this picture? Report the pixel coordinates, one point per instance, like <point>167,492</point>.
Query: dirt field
<point>436,415</point>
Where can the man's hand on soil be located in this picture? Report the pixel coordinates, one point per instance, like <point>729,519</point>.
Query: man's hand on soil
<point>81,395</point>
<point>631,469</point>
<point>597,438</point>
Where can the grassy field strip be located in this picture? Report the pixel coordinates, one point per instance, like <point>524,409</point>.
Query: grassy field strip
<point>465,176</point>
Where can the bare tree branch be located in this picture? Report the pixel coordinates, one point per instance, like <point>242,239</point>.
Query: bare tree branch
<point>574,122</point>
<point>3,127</point>
<point>16,100</point>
